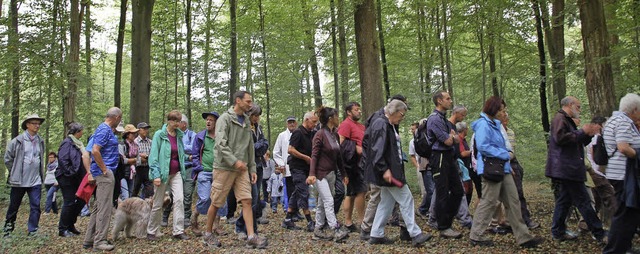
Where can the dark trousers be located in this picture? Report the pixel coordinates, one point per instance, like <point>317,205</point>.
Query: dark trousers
<point>141,182</point>
<point>265,195</point>
<point>289,187</point>
<point>299,199</point>
<point>339,193</point>
<point>618,188</point>
<point>448,187</point>
<point>518,172</point>
<point>572,192</point>
<point>232,204</point>
<point>256,205</point>
<point>15,198</point>
<point>623,228</point>
<point>71,206</point>
<point>427,179</point>
<point>477,183</point>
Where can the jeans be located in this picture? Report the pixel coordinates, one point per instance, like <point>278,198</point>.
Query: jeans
<point>256,206</point>
<point>388,197</point>
<point>51,204</point>
<point>274,203</point>
<point>572,192</point>
<point>204,194</point>
<point>15,198</point>
<point>427,180</point>
<point>125,188</point>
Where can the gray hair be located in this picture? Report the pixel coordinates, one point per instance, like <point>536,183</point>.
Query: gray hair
<point>75,127</point>
<point>461,126</point>
<point>308,115</point>
<point>567,100</point>
<point>459,109</point>
<point>256,110</point>
<point>630,102</point>
<point>114,112</point>
<point>184,118</point>
<point>394,106</point>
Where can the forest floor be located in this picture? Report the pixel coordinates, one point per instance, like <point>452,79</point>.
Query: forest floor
<point>539,197</point>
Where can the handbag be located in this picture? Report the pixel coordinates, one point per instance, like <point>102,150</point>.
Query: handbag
<point>493,169</point>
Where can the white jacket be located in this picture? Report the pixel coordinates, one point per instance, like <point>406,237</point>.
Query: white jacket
<point>281,151</point>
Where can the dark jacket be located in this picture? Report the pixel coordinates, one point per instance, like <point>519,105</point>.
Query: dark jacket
<point>350,157</point>
<point>196,154</point>
<point>325,154</point>
<point>381,149</point>
<point>69,162</point>
<point>261,145</point>
<point>565,158</point>
<point>631,191</point>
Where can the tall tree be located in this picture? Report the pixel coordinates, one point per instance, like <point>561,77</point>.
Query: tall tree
<point>492,54</point>
<point>70,93</point>
<point>187,18</point>
<point>117,87</point>
<point>344,61</point>
<point>542,88</point>
<point>598,72</point>
<point>140,60</point>
<point>233,79</point>
<point>310,44</point>
<point>264,68</point>
<point>368,57</point>
<point>383,50</point>
<point>87,57</point>
<point>334,55</point>
<point>13,48</point>
<point>420,17</point>
<point>554,36</point>
<point>447,48</point>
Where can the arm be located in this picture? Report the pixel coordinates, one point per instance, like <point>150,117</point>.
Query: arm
<point>154,168</point>
<point>293,152</point>
<point>9,155</point>
<point>86,162</point>
<point>484,145</point>
<point>196,148</point>
<point>318,141</point>
<point>97,157</point>
<point>277,151</point>
<point>564,135</point>
<point>438,129</point>
<point>251,164</point>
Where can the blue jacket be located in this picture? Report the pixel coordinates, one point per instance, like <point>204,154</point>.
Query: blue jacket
<point>196,153</point>
<point>187,141</point>
<point>489,142</point>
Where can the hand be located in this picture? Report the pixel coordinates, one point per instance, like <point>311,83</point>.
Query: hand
<point>55,184</point>
<point>254,178</point>
<point>591,129</point>
<point>453,135</point>
<point>240,165</point>
<point>157,182</point>
<point>311,180</point>
<point>387,176</point>
<point>91,180</point>
<point>345,180</point>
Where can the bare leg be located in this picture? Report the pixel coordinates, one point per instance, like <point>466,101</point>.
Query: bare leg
<point>248,216</point>
<point>360,206</point>
<point>348,210</point>
<point>211,214</point>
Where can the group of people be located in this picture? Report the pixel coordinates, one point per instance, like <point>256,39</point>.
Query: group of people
<point>345,160</point>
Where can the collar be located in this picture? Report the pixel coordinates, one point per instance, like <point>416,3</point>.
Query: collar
<point>442,113</point>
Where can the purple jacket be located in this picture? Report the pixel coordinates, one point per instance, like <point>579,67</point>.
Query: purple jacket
<point>196,154</point>
<point>565,158</point>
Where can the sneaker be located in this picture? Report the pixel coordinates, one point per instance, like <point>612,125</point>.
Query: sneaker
<point>380,240</point>
<point>232,220</point>
<point>533,243</point>
<point>256,241</point>
<point>352,228</point>
<point>340,234</point>
<point>566,237</point>
<point>152,237</point>
<point>404,234</point>
<point>66,233</point>
<point>164,223</point>
<point>263,220</point>
<point>320,234</point>
<point>211,241</point>
<point>364,235</point>
<point>450,233</point>
<point>533,225</point>
<point>311,226</point>
<point>241,236</point>
<point>181,237</point>
<point>220,232</point>
<point>103,246</point>
<point>420,239</point>
<point>289,224</point>
<point>483,241</point>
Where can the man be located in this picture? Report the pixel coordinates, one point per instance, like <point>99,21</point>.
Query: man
<point>352,131</point>
<point>103,147</point>
<point>189,184</point>
<point>448,188</point>
<point>235,156</point>
<point>281,154</point>
<point>566,168</point>
<point>261,145</point>
<point>299,154</point>
<point>142,166</point>
<point>202,159</point>
<point>24,158</point>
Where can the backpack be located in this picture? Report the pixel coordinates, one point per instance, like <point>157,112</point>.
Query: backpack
<point>421,142</point>
<point>600,155</point>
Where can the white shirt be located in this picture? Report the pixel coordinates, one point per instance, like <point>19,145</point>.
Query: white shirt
<point>281,151</point>
<point>619,129</point>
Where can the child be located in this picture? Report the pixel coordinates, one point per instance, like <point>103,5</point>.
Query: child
<point>275,186</point>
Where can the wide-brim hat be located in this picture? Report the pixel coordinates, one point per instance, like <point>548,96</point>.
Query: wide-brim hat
<point>212,113</point>
<point>120,127</point>
<point>129,128</point>
<point>31,117</point>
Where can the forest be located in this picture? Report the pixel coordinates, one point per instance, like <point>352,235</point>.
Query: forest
<point>70,60</point>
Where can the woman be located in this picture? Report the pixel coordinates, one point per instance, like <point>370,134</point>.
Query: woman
<point>70,173</point>
<point>166,168</point>
<point>491,144</point>
<point>382,148</point>
<point>51,185</point>
<point>325,159</point>
<point>129,153</point>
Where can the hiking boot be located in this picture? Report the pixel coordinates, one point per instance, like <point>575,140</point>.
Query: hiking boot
<point>533,243</point>
<point>103,246</point>
<point>420,239</point>
<point>181,237</point>
<point>8,228</point>
<point>380,240</point>
<point>483,241</point>
<point>87,246</point>
<point>404,234</point>
<point>256,241</point>
<point>196,231</point>
<point>74,231</point>
<point>263,220</point>
<point>602,241</point>
<point>33,234</point>
<point>450,233</point>
<point>320,234</point>
<point>211,241</point>
<point>340,234</point>
<point>288,224</point>
<point>66,233</point>
<point>565,237</point>
<point>241,236</point>
<point>364,235</point>
<point>311,226</point>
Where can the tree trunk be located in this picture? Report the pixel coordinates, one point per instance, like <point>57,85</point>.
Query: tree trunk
<point>233,79</point>
<point>264,70</point>
<point>88,64</point>
<point>70,93</point>
<point>447,48</point>
<point>51,69</point>
<point>368,57</point>
<point>610,14</point>
<point>334,56</point>
<point>310,44</point>
<point>165,67</point>
<point>13,48</point>
<point>344,61</point>
<point>119,47</point>
<point>443,75</point>
<point>207,50</point>
<point>383,51</point>
<point>598,72</point>
<point>542,89</point>
<point>492,64</point>
<point>248,82</point>
<point>636,37</point>
<point>189,56</point>
<point>176,56</point>
<point>555,44</point>
<point>141,60</point>
<point>419,15</point>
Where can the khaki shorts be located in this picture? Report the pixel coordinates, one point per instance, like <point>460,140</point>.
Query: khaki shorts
<point>224,180</point>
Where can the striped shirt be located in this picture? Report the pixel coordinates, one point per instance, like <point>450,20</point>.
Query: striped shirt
<point>144,146</point>
<point>108,142</point>
<point>619,129</point>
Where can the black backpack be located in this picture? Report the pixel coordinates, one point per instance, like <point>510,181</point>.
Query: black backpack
<point>600,155</point>
<point>420,141</point>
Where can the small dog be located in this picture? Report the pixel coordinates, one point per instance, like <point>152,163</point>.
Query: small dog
<point>133,214</point>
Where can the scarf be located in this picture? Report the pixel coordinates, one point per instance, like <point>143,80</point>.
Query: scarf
<point>52,166</point>
<point>77,142</point>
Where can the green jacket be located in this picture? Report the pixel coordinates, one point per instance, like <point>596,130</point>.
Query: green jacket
<point>234,142</point>
<point>160,155</point>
